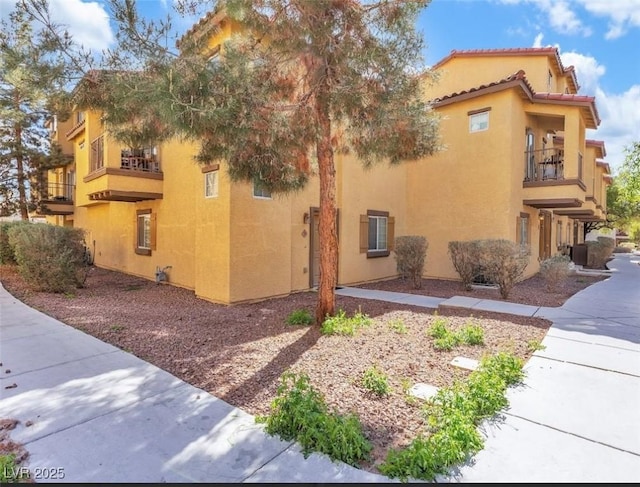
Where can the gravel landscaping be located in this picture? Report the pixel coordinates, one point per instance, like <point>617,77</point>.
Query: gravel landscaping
<point>239,352</point>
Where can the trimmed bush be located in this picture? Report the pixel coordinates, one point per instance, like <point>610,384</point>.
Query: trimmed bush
<point>555,270</point>
<point>7,255</point>
<point>411,253</point>
<point>464,256</point>
<point>599,252</point>
<point>503,262</point>
<point>50,258</point>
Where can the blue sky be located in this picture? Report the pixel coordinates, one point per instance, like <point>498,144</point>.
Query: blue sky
<point>601,38</point>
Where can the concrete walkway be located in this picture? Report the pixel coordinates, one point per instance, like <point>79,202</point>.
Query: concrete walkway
<point>103,415</point>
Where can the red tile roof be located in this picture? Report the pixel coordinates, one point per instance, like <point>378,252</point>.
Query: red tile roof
<point>519,79</point>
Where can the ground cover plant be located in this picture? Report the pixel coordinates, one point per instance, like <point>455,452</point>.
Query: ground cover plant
<point>243,363</point>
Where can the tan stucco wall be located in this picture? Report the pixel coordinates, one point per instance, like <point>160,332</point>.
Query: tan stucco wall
<point>463,73</point>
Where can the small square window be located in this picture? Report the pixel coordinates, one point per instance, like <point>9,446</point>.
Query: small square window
<point>523,230</point>
<point>259,191</point>
<point>211,184</point>
<point>479,122</point>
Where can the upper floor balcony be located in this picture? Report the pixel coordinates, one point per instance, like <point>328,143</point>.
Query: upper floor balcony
<point>548,182</point>
<point>56,199</point>
<point>122,175</point>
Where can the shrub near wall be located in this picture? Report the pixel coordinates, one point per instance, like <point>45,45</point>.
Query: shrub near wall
<point>504,262</point>
<point>7,255</point>
<point>411,253</point>
<point>464,256</point>
<point>599,252</point>
<point>49,258</point>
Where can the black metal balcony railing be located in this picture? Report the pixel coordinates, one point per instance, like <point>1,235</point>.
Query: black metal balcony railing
<point>58,192</point>
<point>544,164</point>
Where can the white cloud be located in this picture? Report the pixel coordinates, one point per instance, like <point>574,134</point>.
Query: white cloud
<point>619,112</point>
<point>588,71</point>
<point>87,22</point>
<point>562,18</point>
<point>538,40</point>
<point>622,15</point>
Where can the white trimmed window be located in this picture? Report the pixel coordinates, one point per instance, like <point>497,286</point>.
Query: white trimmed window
<point>523,229</point>
<point>259,191</point>
<point>211,184</point>
<point>376,233</point>
<point>144,232</point>
<point>479,122</point>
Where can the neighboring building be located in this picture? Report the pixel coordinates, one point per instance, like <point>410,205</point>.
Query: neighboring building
<point>517,166</point>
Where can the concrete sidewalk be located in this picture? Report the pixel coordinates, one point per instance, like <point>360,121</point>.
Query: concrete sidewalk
<point>103,415</point>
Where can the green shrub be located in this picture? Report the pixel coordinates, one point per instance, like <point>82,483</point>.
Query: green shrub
<point>7,254</point>
<point>398,326</point>
<point>503,262</point>
<point>50,258</point>
<point>300,413</point>
<point>438,328</point>
<point>464,256</point>
<point>10,471</point>
<point>300,317</point>
<point>555,271</point>
<point>472,335</point>
<point>375,381</point>
<point>411,253</point>
<point>341,324</point>
<point>535,345</point>
<point>445,339</point>
<point>453,415</point>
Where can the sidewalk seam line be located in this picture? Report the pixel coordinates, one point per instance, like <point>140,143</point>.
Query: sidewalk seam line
<point>588,366</point>
<point>291,443</point>
<point>62,363</point>
<point>572,434</point>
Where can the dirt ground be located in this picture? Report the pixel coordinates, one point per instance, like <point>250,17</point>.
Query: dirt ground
<point>238,352</point>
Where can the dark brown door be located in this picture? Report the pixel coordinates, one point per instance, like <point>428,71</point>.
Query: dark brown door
<point>545,235</point>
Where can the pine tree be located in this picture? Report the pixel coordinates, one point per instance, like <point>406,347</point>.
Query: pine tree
<point>33,74</point>
<point>306,79</point>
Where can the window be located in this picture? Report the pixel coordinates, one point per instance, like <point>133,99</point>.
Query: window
<point>479,122</point>
<point>259,191</point>
<point>568,233</point>
<point>549,80</point>
<point>211,184</point>
<point>80,116</point>
<point>559,234</point>
<point>523,229</point>
<point>97,154</point>
<point>376,233</point>
<point>145,232</point>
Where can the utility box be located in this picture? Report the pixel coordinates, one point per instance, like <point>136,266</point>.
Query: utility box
<point>579,254</point>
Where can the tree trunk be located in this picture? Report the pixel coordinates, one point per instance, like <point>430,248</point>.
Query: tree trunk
<point>22,192</point>
<point>328,236</point>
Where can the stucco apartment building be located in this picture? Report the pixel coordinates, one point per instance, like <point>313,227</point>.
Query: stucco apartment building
<point>516,165</point>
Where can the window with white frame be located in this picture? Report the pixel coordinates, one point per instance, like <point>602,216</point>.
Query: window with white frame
<point>259,191</point>
<point>559,227</point>
<point>479,122</point>
<point>523,229</point>
<point>211,184</point>
<point>143,232</point>
<point>376,233</point>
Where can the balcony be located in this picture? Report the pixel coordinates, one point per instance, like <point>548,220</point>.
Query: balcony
<point>56,200</point>
<point>545,184</point>
<point>138,176</point>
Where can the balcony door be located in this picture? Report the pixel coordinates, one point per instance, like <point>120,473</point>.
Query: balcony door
<point>545,235</point>
<point>530,158</point>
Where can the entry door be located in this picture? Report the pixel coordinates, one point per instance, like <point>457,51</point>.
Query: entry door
<point>314,240</point>
<point>315,247</point>
<point>545,235</point>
